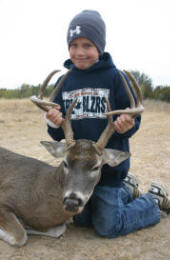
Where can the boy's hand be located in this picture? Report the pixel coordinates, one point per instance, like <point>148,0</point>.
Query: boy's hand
<point>55,115</point>
<point>123,123</point>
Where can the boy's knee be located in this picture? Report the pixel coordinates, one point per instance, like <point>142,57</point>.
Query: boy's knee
<point>105,229</point>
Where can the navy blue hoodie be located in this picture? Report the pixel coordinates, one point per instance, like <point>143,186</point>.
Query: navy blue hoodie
<point>91,86</point>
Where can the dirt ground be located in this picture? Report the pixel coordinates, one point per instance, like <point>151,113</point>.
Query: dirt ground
<point>22,127</point>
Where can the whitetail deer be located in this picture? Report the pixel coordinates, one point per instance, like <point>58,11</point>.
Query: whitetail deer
<point>37,198</point>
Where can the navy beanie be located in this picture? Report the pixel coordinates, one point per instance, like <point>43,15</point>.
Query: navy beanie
<point>88,24</point>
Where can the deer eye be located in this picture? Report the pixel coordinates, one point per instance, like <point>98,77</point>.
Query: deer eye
<point>65,164</point>
<point>96,168</point>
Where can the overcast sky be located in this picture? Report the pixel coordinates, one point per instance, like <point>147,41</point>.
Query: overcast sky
<point>33,37</point>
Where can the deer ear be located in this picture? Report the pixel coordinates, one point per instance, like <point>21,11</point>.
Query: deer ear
<point>56,149</point>
<point>114,157</point>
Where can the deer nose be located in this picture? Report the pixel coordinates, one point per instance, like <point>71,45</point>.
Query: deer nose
<point>72,202</point>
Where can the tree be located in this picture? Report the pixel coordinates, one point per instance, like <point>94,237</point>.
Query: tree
<point>145,82</point>
<point>162,93</point>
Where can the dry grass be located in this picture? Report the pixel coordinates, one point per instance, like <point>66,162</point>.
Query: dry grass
<point>151,145</point>
<point>157,106</point>
<point>22,127</point>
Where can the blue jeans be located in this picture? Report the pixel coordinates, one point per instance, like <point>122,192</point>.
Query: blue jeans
<point>112,212</point>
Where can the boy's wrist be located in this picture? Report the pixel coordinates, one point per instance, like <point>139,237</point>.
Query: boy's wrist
<point>49,122</point>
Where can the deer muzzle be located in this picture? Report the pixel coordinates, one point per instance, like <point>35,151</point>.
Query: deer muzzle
<point>72,203</point>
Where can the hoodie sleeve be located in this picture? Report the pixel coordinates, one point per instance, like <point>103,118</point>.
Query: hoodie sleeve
<point>122,102</point>
<point>57,133</point>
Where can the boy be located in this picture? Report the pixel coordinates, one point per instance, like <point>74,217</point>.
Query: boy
<point>116,206</point>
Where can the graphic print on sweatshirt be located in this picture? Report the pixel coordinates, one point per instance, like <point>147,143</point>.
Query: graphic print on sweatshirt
<point>91,102</point>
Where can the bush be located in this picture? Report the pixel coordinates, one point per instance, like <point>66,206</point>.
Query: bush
<point>24,91</point>
<point>162,93</point>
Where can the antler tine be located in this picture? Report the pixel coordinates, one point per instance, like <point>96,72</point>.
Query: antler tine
<point>45,83</point>
<point>56,90</point>
<point>44,105</point>
<point>131,99</point>
<point>66,125</point>
<point>137,88</point>
<point>134,110</point>
<point>107,133</point>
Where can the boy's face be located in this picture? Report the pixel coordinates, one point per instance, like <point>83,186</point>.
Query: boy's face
<point>83,53</point>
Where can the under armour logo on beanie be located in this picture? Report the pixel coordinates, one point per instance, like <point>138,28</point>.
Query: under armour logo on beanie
<point>88,24</point>
<point>75,31</point>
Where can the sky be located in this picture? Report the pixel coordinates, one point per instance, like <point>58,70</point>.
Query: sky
<point>33,37</point>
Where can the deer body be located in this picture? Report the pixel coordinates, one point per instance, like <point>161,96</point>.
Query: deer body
<point>36,195</point>
<point>30,188</point>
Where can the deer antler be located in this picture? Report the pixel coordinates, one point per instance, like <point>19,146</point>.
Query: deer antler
<point>134,110</point>
<point>46,105</point>
<point>66,125</point>
<point>107,133</point>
